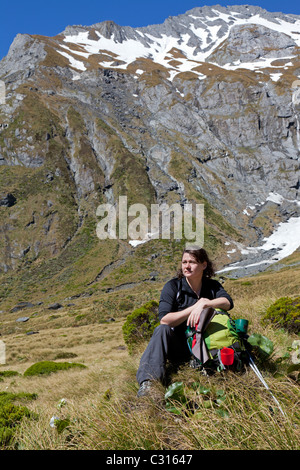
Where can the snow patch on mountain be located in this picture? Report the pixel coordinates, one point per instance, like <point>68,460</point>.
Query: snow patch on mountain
<point>196,35</point>
<point>280,244</point>
<point>77,64</point>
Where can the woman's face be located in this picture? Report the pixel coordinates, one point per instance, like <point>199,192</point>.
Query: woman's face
<point>191,268</point>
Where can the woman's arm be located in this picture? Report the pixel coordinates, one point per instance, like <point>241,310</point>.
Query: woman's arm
<point>192,314</point>
<point>220,302</point>
<point>176,318</point>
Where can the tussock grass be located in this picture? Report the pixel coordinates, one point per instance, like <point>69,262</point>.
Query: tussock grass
<point>123,422</point>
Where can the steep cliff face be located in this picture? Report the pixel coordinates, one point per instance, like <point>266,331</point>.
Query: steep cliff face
<point>201,108</point>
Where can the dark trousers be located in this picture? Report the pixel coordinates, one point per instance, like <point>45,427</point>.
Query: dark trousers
<point>165,345</point>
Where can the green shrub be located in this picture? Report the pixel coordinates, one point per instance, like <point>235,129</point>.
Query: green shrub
<point>285,313</point>
<point>47,367</point>
<point>11,415</point>
<point>140,324</point>
<point>8,373</point>
<point>262,346</point>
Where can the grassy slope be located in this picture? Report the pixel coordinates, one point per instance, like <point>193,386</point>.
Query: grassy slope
<point>107,388</point>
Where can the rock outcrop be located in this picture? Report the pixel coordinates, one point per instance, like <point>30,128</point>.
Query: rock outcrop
<point>201,108</point>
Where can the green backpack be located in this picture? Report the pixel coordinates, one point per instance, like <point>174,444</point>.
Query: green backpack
<point>218,345</point>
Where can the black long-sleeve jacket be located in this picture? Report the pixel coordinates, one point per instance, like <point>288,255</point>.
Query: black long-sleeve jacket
<point>177,295</point>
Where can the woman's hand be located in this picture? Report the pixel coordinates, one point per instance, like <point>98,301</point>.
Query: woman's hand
<point>203,303</point>
<point>199,306</point>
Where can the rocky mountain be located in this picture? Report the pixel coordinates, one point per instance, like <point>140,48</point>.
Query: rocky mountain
<point>203,108</point>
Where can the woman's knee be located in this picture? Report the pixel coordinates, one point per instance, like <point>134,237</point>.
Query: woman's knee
<point>162,330</point>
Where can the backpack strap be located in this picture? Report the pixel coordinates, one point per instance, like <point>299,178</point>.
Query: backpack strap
<point>179,291</point>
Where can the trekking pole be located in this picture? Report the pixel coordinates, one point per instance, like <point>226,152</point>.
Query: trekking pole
<point>257,372</point>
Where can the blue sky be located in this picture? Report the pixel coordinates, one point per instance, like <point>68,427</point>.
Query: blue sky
<point>50,18</point>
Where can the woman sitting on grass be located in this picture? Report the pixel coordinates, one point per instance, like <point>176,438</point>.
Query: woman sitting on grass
<point>181,302</point>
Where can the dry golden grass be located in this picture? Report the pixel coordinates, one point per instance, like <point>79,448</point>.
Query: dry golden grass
<point>97,344</point>
<point>122,422</point>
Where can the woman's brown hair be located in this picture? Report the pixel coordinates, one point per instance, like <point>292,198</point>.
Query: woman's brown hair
<point>200,256</point>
